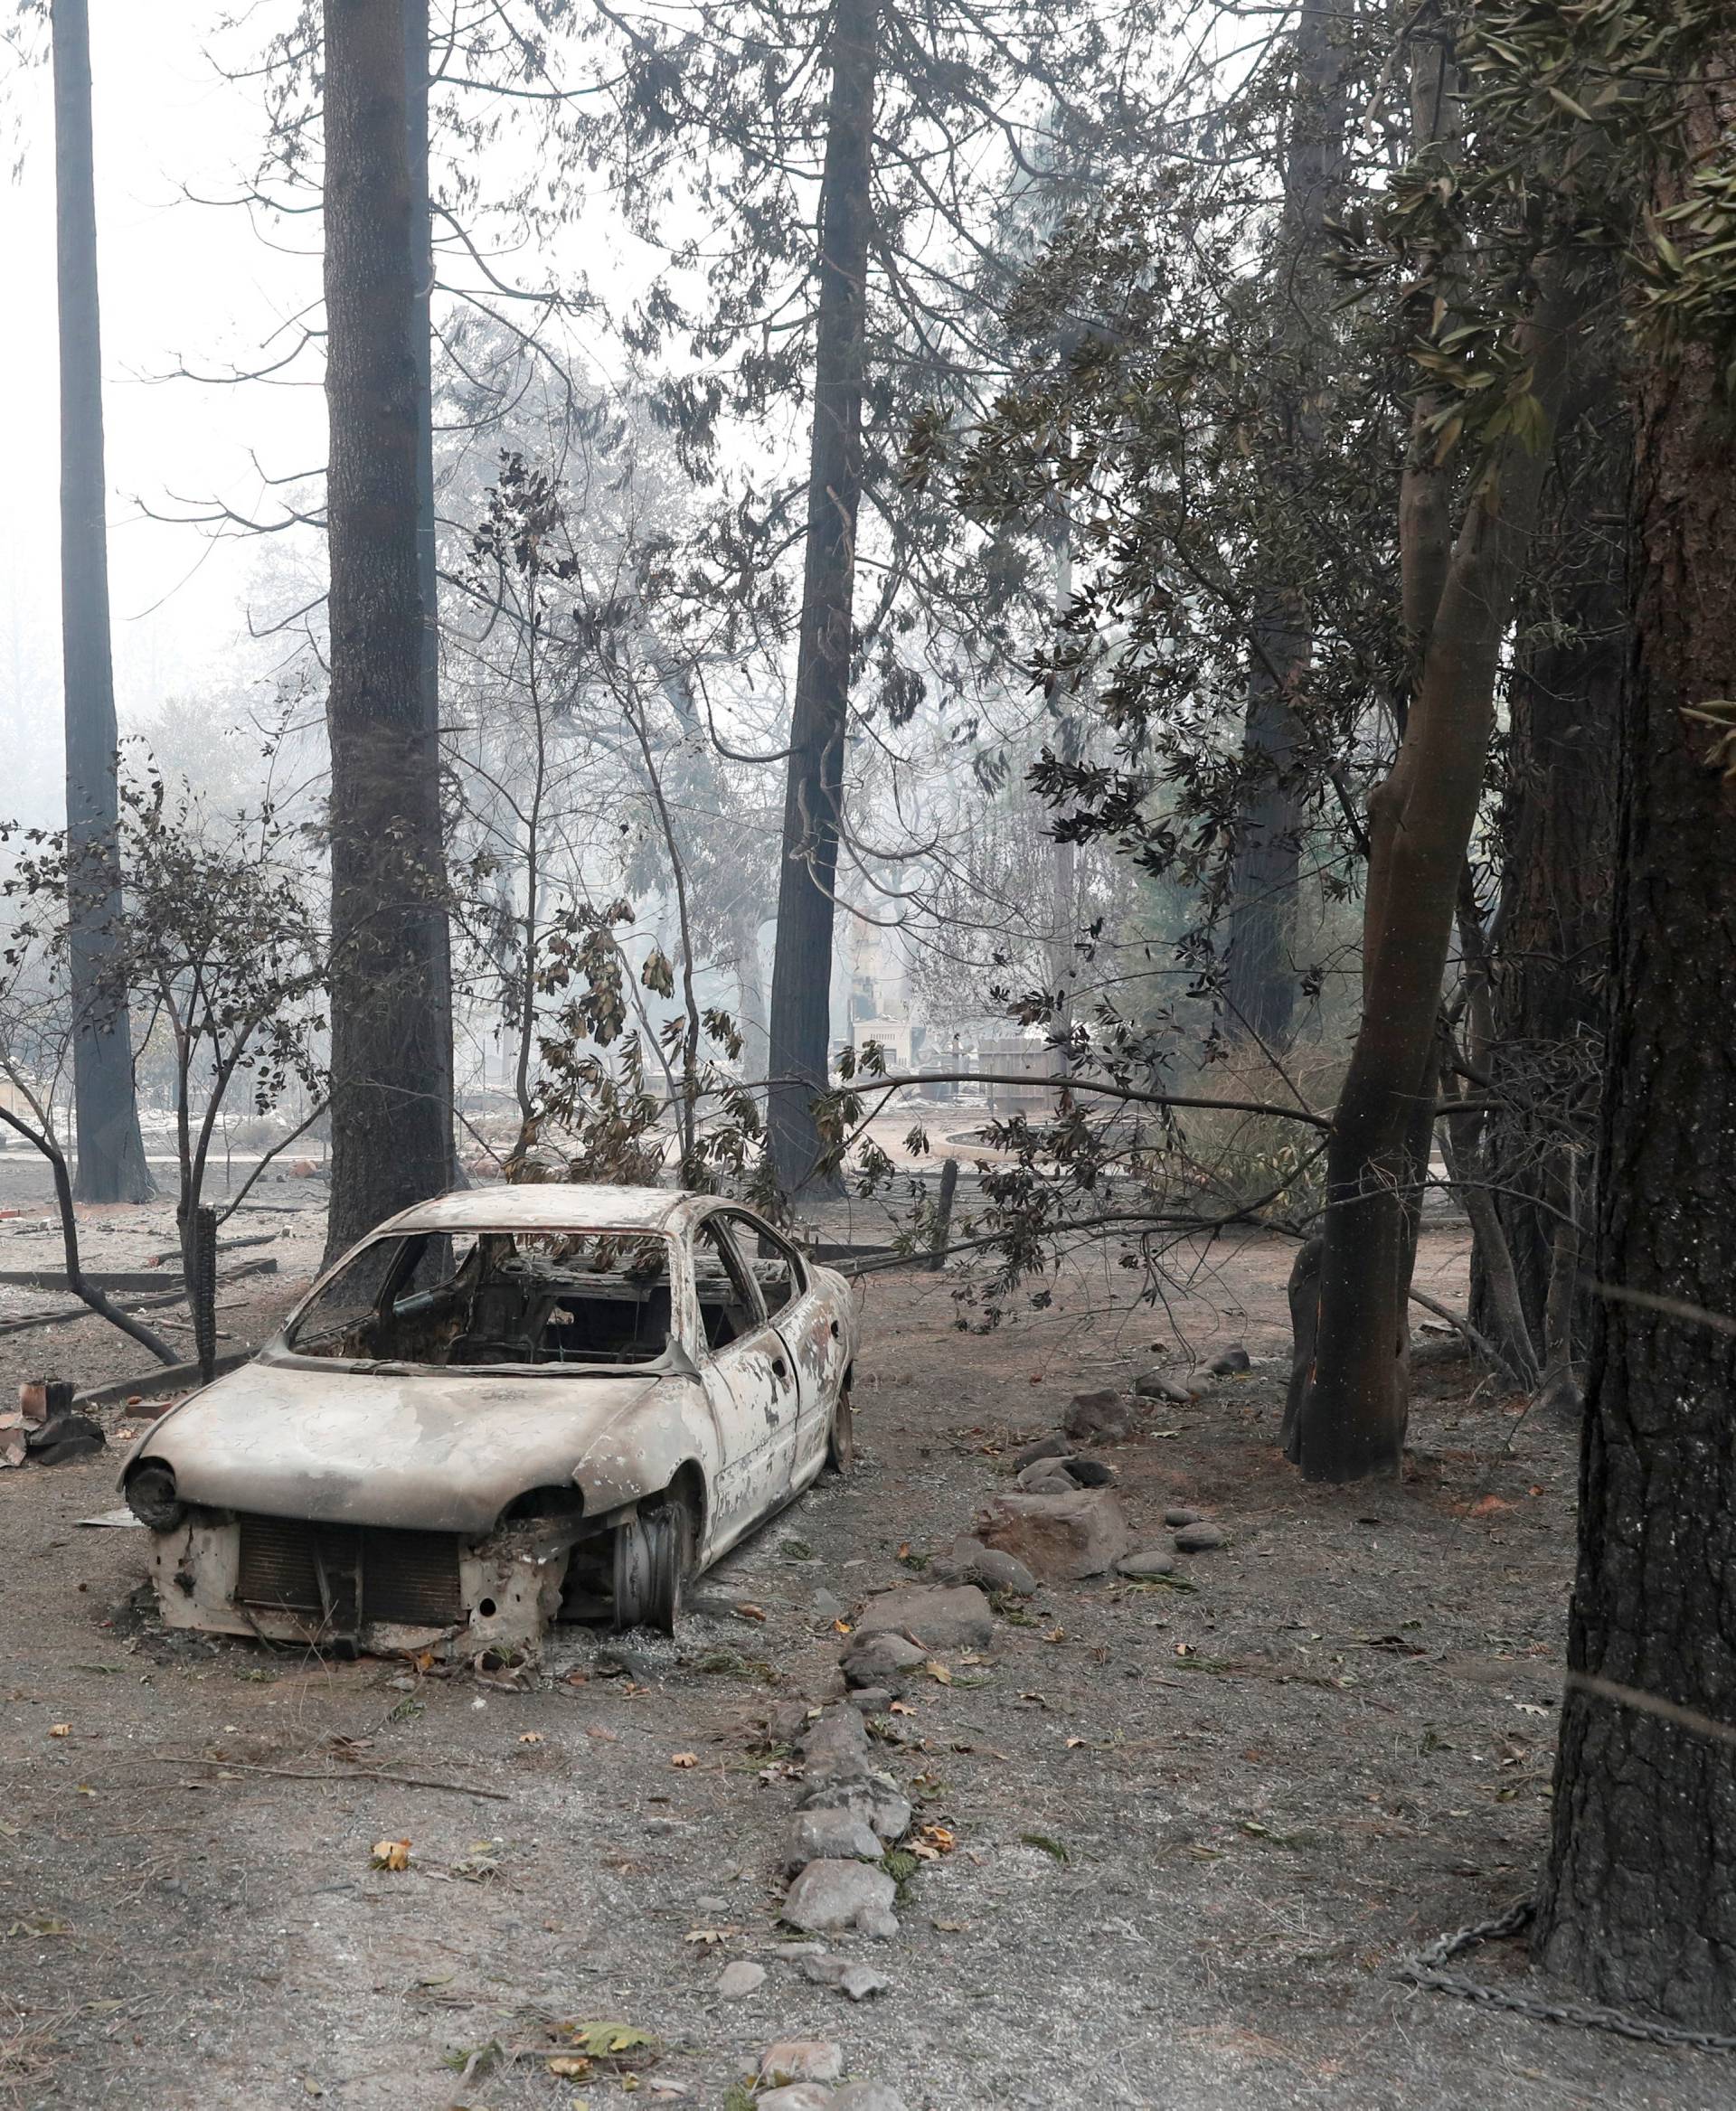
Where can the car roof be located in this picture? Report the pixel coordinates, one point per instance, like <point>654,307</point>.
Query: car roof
<point>556,1205</point>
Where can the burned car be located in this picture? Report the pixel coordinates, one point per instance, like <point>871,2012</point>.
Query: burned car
<point>504,1408</point>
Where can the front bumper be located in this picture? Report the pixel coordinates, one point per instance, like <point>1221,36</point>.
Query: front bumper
<point>362,1589</point>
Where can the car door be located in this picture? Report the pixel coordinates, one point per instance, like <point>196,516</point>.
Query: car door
<point>749,1382</point>
<point>803,1317</point>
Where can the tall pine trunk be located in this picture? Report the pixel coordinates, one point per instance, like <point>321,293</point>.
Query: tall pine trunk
<point>1549,948</point>
<point>421,245</point>
<point>1639,1898</point>
<point>800,1024</point>
<point>1259,972</point>
<point>391,1109</point>
<point>110,1154</point>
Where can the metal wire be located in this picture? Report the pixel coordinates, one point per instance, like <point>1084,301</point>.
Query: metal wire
<point>1424,1970</point>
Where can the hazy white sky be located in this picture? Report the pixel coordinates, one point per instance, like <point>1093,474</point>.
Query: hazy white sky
<point>180,281</point>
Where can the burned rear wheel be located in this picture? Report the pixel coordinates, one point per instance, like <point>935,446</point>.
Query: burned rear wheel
<point>651,1560</point>
<point>841,1438</point>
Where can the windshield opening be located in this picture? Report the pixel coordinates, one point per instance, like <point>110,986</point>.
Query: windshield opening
<point>454,1300</point>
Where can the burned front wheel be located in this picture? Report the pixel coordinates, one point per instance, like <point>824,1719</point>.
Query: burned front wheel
<point>841,1438</point>
<point>651,1557</point>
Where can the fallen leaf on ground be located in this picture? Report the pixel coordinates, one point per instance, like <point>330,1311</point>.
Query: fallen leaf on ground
<point>530,1737</point>
<point>1074,1743</point>
<point>685,1760</point>
<point>749,1612</point>
<point>59,1730</point>
<point>603,1737</point>
<point>572,2066</point>
<point>1488,1506</point>
<point>901,1708</point>
<point>391,1854</point>
<point>606,2040</point>
<point>935,1670</point>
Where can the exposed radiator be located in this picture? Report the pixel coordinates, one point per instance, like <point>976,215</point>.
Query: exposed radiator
<point>409,1577</point>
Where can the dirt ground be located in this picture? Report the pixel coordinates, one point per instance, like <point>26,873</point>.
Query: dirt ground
<point>1194,1827</point>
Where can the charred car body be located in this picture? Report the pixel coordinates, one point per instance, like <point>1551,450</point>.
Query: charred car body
<point>506,1407</point>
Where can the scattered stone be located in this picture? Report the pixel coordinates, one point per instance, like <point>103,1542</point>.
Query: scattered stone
<point>801,2059</point>
<point>882,1924</point>
<point>835,1745</point>
<point>1044,1447</point>
<point>1047,1477</point>
<point>872,1699</point>
<point>13,1439</point>
<point>1233,1361</point>
<point>998,1571</point>
<point>796,1953</point>
<point>1148,1561</point>
<point>865,2096</point>
<point>1153,1385</point>
<point>830,1835</point>
<point>659,1828</point>
<point>798,2096</point>
<point>741,1979</point>
<point>1096,1418</point>
<point>830,1896</point>
<point>712,1904</point>
<point>1200,1538</point>
<point>1181,1516</point>
<point>1059,1538</point>
<point>825,1606</point>
<point>874,1660</point>
<point>1090,1473</point>
<point>788,1722</point>
<point>954,1617</point>
<point>876,1798</point>
<point>859,1982</point>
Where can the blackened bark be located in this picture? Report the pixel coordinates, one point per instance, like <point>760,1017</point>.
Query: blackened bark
<point>421,265</point>
<point>1551,953</point>
<point>1259,972</point>
<point>800,1024</point>
<point>1639,1898</point>
<point>389,1110</point>
<point>110,1154</point>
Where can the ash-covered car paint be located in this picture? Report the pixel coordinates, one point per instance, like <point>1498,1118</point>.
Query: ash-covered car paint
<point>506,1407</point>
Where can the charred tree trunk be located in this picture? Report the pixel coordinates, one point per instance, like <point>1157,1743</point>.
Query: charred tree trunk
<point>1639,1898</point>
<point>422,265</point>
<point>1259,972</point>
<point>1352,1420</point>
<point>1550,955</point>
<point>751,991</point>
<point>391,1112</point>
<point>110,1154</point>
<point>801,977</point>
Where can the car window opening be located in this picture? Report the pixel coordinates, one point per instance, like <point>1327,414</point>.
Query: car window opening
<point>586,1298</point>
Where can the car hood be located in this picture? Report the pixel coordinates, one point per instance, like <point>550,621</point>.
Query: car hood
<point>423,1451</point>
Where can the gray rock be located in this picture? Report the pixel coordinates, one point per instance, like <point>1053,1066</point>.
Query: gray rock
<point>798,2097</point>
<point>1148,1561</point>
<point>1200,1538</point>
<point>823,1606</point>
<point>1090,1473</point>
<point>998,1571</point>
<point>659,1828</point>
<point>741,1979</point>
<point>1059,1538</point>
<point>1096,1418</point>
<point>879,1660</point>
<point>954,1617</point>
<point>830,1835</point>
<point>711,1904</point>
<point>1046,1479</point>
<point>872,1699</point>
<point>801,2059</point>
<point>830,1896</point>
<point>876,1798</point>
<point>1153,1385</point>
<point>1044,1447</point>
<point>1181,1516</point>
<point>859,1982</point>
<point>835,1745</point>
<point>786,1722</point>
<point>798,1953</point>
<point>882,1925</point>
<point>864,2097</point>
<point>1233,1361</point>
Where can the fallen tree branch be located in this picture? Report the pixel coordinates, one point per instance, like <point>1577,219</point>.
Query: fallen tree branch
<point>331,1780</point>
